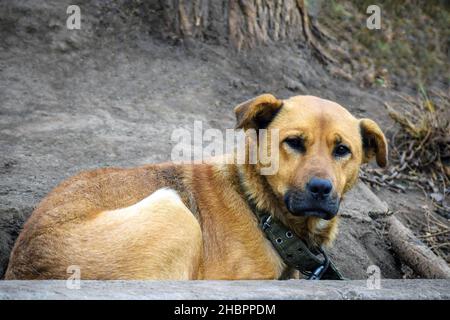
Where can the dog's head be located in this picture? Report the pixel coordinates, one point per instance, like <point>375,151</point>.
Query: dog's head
<point>321,147</point>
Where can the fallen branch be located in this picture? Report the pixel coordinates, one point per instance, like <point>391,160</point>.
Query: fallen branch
<point>415,253</point>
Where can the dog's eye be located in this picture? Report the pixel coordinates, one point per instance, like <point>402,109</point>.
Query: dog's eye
<point>295,143</point>
<point>341,151</point>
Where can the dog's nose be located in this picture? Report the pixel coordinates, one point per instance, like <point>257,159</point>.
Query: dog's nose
<point>319,188</point>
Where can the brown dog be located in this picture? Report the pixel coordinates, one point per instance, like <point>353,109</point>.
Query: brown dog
<point>119,223</point>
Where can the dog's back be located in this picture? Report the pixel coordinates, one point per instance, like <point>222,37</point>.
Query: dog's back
<point>83,213</point>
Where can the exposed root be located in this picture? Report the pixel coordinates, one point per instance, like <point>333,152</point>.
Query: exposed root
<point>415,253</point>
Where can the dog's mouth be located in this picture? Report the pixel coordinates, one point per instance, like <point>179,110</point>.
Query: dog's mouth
<point>323,214</point>
<point>300,205</point>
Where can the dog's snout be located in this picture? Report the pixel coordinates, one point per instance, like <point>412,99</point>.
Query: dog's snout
<point>318,199</point>
<point>319,188</point>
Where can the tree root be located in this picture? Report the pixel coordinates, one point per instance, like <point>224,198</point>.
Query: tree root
<point>415,253</point>
<point>319,50</point>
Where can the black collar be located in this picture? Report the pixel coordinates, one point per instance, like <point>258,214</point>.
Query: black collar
<point>313,262</point>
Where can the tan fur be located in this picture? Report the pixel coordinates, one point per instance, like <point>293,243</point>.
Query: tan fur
<point>108,222</point>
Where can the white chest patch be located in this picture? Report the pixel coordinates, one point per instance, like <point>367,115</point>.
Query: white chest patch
<point>321,225</point>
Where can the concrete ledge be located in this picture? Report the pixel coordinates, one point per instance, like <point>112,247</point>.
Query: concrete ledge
<point>221,290</point>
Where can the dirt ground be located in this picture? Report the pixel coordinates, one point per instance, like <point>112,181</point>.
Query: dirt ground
<point>111,94</point>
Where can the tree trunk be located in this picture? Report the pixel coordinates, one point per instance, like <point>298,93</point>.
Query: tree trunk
<point>242,23</point>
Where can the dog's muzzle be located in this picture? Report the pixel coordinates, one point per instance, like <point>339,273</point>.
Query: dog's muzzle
<point>318,200</point>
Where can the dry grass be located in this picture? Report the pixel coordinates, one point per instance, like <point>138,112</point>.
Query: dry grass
<point>420,157</point>
<point>420,146</point>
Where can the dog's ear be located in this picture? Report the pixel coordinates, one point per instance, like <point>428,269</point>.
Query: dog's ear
<point>374,142</point>
<point>258,112</point>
